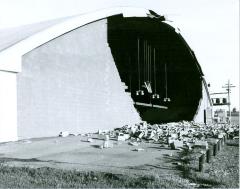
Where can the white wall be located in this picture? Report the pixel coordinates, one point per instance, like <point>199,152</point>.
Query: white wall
<point>72,84</point>
<point>204,104</point>
<point>8,106</point>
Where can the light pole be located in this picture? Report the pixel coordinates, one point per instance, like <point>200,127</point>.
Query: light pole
<point>228,87</point>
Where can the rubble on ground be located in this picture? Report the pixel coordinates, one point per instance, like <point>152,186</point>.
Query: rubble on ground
<point>176,134</point>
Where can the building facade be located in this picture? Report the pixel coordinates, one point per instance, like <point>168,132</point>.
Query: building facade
<point>84,73</point>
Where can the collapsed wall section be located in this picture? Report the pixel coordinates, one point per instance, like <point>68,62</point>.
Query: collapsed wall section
<point>147,50</point>
<point>71,84</point>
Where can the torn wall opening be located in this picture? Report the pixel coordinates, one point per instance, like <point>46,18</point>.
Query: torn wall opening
<point>157,67</point>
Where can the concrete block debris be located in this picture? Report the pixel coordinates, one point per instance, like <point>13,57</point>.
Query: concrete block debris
<point>172,146</point>
<point>63,134</point>
<point>127,136</point>
<point>26,141</point>
<point>150,134</point>
<point>176,144</point>
<point>174,135</point>
<point>121,137</point>
<point>107,144</point>
<point>103,136</point>
<point>184,133</point>
<point>139,134</point>
<point>177,163</point>
<point>102,131</point>
<point>133,129</point>
<point>133,143</point>
<point>201,144</point>
<point>155,137</point>
<point>177,135</point>
<point>170,140</point>
<point>190,145</point>
<point>170,154</point>
<point>138,149</point>
<point>72,134</point>
<point>90,140</point>
<point>221,135</point>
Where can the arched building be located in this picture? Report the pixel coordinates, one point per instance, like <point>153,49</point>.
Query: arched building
<point>97,71</point>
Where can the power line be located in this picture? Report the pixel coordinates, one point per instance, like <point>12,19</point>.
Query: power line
<point>228,87</point>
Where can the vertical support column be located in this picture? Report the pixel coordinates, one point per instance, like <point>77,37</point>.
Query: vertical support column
<point>219,145</point>
<point>208,155</point>
<point>201,162</point>
<point>214,149</point>
<point>224,138</point>
<point>221,142</point>
<point>8,106</point>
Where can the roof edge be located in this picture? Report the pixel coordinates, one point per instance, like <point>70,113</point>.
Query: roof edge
<point>58,29</point>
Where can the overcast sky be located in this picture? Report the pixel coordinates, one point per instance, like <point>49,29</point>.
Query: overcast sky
<point>211,28</point>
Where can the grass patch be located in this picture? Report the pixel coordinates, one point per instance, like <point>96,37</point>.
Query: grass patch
<point>221,172</point>
<point>234,142</point>
<point>45,177</point>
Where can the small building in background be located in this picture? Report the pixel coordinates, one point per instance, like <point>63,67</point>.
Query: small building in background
<point>220,116</point>
<point>234,116</point>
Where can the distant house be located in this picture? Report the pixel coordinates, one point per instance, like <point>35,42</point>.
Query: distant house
<point>220,116</point>
<point>234,116</point>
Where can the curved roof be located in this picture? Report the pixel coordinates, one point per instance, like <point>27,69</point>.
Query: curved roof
<point>19,38</point>
<point>16,42</point>
<point>11,36</point>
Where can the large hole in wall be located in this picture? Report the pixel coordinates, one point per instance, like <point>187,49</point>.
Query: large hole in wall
<point>152,59</point>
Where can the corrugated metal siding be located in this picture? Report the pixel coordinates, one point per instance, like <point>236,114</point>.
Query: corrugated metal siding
<point>71,84</point>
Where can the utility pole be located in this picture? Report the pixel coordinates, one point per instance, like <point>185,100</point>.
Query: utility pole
<point>228,87</point>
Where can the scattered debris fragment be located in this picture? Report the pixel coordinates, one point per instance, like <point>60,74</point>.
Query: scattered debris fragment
<point>103,136</point>
<point>106,144</point>
<point>177,163</point>
<point>133,143</point>
<point>121,137</point>
<point>89,140</point>
<point>201,144</point>
<point>64,134</point>
<point>26,141</point>
<point>138,149</point>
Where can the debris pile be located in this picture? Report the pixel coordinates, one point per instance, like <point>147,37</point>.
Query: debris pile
<point>175,134</point>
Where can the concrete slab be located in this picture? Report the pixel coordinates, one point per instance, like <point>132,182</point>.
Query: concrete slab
<point>73,153</point>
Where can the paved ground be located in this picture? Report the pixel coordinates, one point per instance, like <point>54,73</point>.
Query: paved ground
<point>73,153</point>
